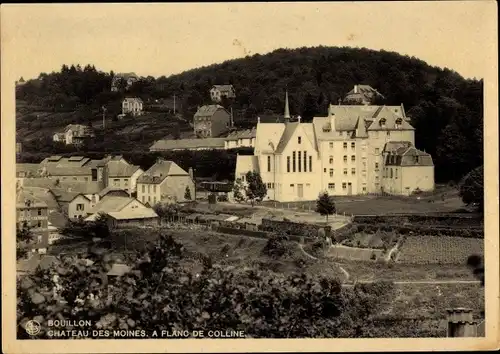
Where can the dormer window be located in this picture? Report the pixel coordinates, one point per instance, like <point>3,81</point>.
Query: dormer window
<point>382,122</point>
<point>398,122</point>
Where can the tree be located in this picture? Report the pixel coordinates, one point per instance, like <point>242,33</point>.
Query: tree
<point>325,205</point>
<point>24,240</point>
<point>238,189</point>
<point>472,188</point>
<point>255,189</point>
<point>187,193</point>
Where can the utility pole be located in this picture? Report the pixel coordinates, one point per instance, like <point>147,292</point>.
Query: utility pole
<point>103,117</point>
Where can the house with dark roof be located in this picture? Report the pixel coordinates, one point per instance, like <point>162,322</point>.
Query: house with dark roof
<point>242,138</point>
<point>164,181</point>
<point>362,94</point>
<point>406,169</point>
<point>342,153</point>
<point>210,121</point>
<point>219,91</point>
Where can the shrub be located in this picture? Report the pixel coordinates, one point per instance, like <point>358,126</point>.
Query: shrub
<point>222,198</point>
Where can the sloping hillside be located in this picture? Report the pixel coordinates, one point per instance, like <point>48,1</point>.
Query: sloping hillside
<point>446,109</point>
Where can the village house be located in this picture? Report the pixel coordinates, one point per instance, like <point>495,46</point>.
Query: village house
<point>118,173</point>
<point>123,80</point>
<point>406,169</point>
<point>362,94</point>
<point>237,139</point>
<point>165,180</point>
<point>219,91</point>
<point>210,121</point>
<point>74,134</point>
<point>189,144</point>
<point>341,153</point>
<point>33,213</point>
<point>112,203</point>
<point>132,217</point>
<point>133,106</point>
<point>80,206</point>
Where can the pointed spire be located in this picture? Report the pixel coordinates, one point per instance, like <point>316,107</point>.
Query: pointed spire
<point>287,109</point>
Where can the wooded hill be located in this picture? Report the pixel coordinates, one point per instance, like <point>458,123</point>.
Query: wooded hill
<point>445,108</point>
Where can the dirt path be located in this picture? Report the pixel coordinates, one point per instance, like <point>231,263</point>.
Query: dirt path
<point>432,282</point>
<point>346,274</point>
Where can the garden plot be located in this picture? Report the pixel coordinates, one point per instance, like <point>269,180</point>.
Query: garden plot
<point>439,249</point>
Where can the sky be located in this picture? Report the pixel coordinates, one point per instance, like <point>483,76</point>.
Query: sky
<point>164,39</point>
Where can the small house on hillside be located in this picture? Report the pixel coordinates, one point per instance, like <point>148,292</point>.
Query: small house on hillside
<point>123,81</point>
<point>132,217</point>
<point>210,121</point>
<point>362,94</point>
<point>165,180</point>
<point>133,106</point>
<point>219,91</point>
<point>74,134</point>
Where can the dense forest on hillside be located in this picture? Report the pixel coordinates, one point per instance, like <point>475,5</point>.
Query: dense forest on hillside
<point>446,109</point>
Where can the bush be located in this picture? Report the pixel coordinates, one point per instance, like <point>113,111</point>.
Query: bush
<point>277,247</point>
<point>222,198</point>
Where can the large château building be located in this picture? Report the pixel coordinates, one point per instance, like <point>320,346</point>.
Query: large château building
<point>356,149</point>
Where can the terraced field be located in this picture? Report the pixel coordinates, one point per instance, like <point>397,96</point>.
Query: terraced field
<point>439,249</point>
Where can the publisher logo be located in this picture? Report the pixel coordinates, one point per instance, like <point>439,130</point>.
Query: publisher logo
<point>32,327</point>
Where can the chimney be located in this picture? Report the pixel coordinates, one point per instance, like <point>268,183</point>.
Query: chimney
<point>355,88</point>
<point>298,118</point>
<point>461,323</point>
<point>258,120</point>
<point>191,174</point>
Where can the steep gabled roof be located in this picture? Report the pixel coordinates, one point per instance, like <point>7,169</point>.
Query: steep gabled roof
<point>160,170</point>
<point>121,169</point>
<point>209,110</point>
<point>111,203</point>
<point>268,136</point>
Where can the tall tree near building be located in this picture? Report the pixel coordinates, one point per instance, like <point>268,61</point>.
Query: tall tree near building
<point>255,189</point>
<point>24,241</point>
<point>187,193</point>
<point>325,205</point>
<point>472,188</point>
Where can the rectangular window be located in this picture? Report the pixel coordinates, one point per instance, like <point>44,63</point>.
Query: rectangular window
<point>344,185</point>
<point>324,170</point>
<point>353,145</point>
<point>300,161</point>
<point>75,178</point>
<point>292,185</point>
<point>143,188</point>
<point>79,207</point>
<point>376,166</point>
<point>396,173</point>
<point>154,200</point>
<point>39,212</point>
<point>310,164</point>
<point>331,160</point>
<point>288,164</point>
<point>345,158</point>
<point>353,171</point>
<point>345,146</point>
<point>116,181</point>
<point>305,161</point>
<point>364,189</point>
<point>331,172</point>
<point>377,151</point>
<point>353,158</point>
<point>345,171</point>
<point>391,172</point>
<point>154,188</point>
<point>331,145</point>
<point>269,164</point>
<point>299,140</point>
<point>294,161</point>
<point>331,185</point>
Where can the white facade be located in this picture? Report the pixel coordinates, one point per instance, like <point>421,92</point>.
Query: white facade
<point>341,153</point>
<point>133,106</point>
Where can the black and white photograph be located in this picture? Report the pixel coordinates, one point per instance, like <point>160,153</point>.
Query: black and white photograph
<point>201,176</point>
